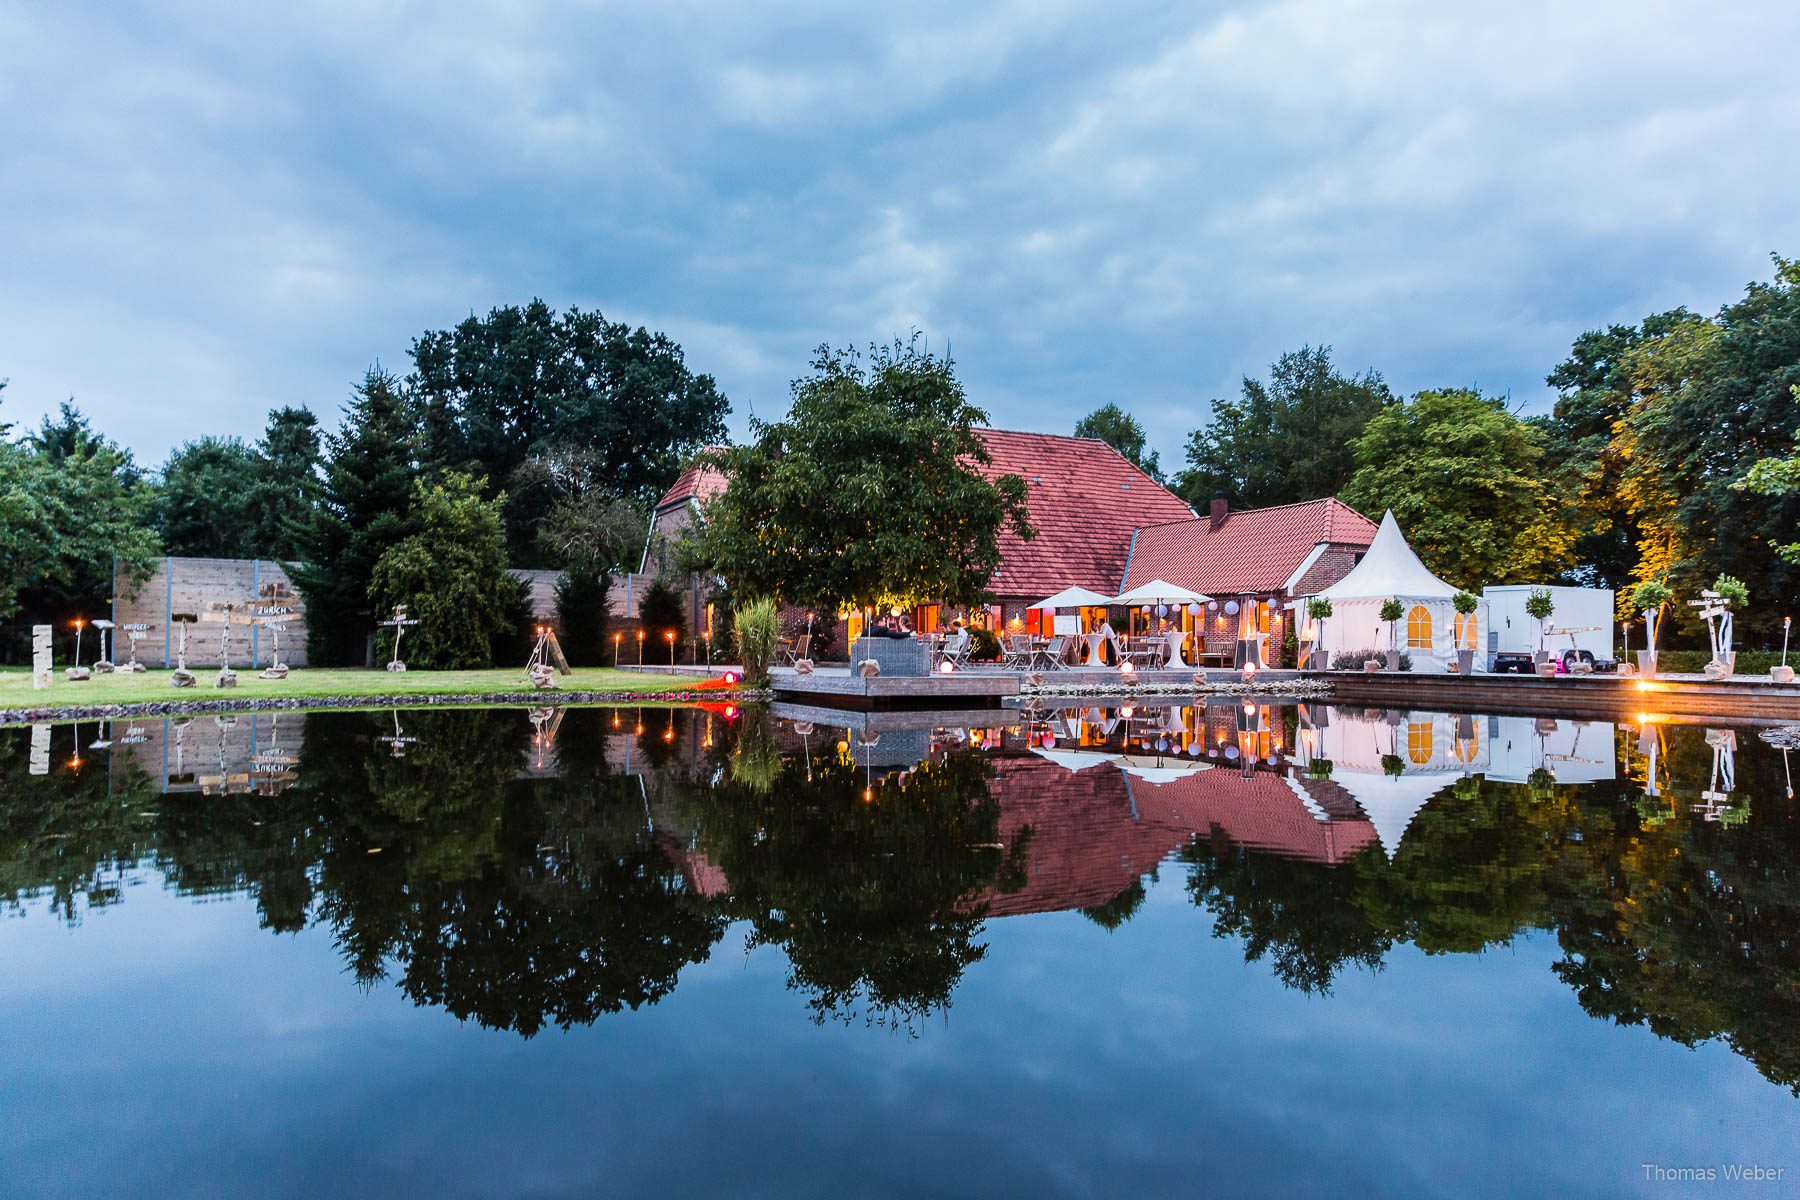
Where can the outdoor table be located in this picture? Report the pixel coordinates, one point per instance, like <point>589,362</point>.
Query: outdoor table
<point>1175,659</point>
<point>1094,642</point>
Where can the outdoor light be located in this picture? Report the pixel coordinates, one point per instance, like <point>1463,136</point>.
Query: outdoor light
<point>670,638</point>
<point>731,677</point>
<point>617,638</point>
<point>946,668</point>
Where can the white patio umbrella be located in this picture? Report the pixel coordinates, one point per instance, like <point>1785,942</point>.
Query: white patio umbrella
<point>1160,591</point>
<point>1075,597</point>
<point>1072,760</point>
<point>1157,769</point>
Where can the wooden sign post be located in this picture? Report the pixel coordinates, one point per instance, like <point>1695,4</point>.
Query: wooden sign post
<point>398,743</point>
<point>134,633</point>
<point>398,622</point>
<point>224,616</point>
<point>273,609</point>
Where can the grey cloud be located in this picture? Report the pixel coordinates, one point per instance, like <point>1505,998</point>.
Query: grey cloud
<point>206,210</point>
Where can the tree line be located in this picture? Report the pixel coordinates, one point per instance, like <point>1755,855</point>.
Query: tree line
<point>525,438</point>
<point>1669,456</point>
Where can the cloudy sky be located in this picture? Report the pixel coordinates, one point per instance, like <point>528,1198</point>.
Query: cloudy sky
<point>210,209</point>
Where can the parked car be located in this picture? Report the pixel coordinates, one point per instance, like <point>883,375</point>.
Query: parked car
<point>1514,664</point>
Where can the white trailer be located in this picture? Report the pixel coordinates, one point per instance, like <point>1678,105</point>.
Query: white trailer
<point>1582,620</point>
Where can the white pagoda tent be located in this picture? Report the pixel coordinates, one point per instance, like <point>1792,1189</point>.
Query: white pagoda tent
<point>1428,629</point>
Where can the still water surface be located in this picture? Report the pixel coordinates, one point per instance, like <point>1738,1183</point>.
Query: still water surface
<point>1265,949</point>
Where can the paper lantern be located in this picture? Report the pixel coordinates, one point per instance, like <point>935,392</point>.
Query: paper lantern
<point>1194,750</point>
<point>1231,752</point>
<point>1212,606</point>
<point>1162,745</point>
<point>1194,609</point>
<point>1231,608</point>
<point>1162,610</point>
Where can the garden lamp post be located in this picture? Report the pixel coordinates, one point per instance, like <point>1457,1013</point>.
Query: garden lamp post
<point>80,623</point>
<point>640,647</point>
<point>617,638</point>
<point>669,636</point>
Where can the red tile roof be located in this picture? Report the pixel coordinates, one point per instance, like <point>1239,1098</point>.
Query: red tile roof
<point>1085,500</point>
<point>1257,550</point>
<point>697,482</point>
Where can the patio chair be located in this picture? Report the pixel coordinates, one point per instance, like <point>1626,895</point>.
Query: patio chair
<point>956,647</point>
<point>1052,655</point>
<point>795,649</point>
<point>1016,653</point>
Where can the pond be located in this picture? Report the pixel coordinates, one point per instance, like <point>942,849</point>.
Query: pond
<point>1235,948</point>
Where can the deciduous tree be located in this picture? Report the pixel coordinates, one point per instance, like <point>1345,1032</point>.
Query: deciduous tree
<point>1464,478</point>
<point>1119,429</point>
<point>204,501</point>
<point>867,493</point>
<point>1285,441</point>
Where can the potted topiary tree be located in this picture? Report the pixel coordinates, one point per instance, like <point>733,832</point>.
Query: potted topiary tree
<point>1650,598</point>
<point>1393,766</point>
<point>1318,608</point>
<point>1539,606</point>
<point>1465,604</point>
<point>1391,612</point>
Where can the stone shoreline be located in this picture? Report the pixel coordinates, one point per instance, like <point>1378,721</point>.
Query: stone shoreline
<point>552,698</point>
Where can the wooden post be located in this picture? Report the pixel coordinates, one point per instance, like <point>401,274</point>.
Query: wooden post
<point>556,655</point>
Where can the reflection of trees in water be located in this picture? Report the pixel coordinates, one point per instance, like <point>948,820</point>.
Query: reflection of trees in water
<point>869,893</point>
<point>1686,926</point>
<point>71,834</point>
<point>520,901</point>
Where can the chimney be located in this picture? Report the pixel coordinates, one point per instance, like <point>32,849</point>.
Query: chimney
<point>1221,508</point>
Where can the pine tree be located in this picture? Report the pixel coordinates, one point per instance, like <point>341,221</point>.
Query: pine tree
<point>287,489</point>
<point>363,511</point>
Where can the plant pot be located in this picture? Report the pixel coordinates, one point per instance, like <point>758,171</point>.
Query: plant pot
<point>1782,674</point>
<point>1393,660</point>
<point>1371,665</point>
<point>1546,670</point>
<point>1465,662</point>
<point>1318,661</point>
<point>1646,663</point>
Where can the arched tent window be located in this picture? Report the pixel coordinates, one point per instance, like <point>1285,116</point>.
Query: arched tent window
<point>1418,628</point>
<point>1418,742</point>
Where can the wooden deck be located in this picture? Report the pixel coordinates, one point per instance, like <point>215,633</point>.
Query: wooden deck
<point>1741,697</point>
<point>838,687</point>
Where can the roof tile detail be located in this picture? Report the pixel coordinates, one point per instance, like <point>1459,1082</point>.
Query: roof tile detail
<point>1256,550</point>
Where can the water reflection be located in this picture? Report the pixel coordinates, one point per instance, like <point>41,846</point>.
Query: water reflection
<point>524,869</point>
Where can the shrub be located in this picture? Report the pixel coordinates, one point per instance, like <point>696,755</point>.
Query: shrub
<point>1749,662</point>
<point>452,577</point>
<point>985,647</point>
<point>757,626</point>
<point>1392,610</point>
<point>1393,766</point>
<point>661,610</point>
<point>1289,653</point>
<point>1319,768</point>
<point>1465,602</point>
<point>1538,604</point>
<point>581,618</point>
<point>1352,660</point>
<point>1318,608</point>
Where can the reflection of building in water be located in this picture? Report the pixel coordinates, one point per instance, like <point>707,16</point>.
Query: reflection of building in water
<point>227,754</point>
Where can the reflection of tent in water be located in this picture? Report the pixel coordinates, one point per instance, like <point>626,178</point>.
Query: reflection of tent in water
<point>1391,801</point>
<point>1393,765</point>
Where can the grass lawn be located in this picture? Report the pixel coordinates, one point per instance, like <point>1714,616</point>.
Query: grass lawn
<point>306,683</point>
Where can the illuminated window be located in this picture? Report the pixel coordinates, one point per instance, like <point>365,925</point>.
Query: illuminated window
<point>1469,748</point>
<point>1418,742</point>
<point>1418,628</point>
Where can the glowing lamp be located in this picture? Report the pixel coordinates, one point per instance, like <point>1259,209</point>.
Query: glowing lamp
<point>946,668</point>
<point>731,677</point>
